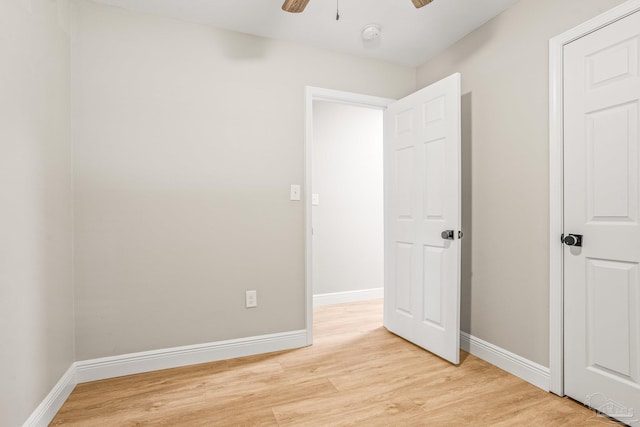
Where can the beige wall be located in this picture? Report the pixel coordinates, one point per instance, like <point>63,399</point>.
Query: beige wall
<point>36,296</point>
<point>504,66</point>
<point>186,140</point>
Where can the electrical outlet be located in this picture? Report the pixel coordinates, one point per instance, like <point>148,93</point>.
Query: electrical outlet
<point>251,299</point>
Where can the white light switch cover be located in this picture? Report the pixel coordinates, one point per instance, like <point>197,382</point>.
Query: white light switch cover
<point>295,192</point>
<point>315,199</point>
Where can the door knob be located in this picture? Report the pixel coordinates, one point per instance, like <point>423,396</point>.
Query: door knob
<point>447,235</point>
<point>572,239</point>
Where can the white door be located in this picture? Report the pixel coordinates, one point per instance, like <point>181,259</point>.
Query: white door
<point>422,200</point>
<point>601,203</point>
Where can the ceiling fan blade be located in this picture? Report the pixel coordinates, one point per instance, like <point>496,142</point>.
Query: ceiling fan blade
<point>296,6</point>
<point>419,3</point>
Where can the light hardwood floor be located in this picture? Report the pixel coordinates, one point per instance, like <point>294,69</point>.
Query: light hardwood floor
<point>356,373</point>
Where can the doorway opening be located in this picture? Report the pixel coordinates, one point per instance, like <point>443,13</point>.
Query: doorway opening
<point>347,203</point>
<point>344,206</point>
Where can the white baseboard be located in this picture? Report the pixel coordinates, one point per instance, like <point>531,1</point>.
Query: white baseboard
<point>135,363</point>
<point>349,296</point>
<point>529,371</point>
<point>51,404</point>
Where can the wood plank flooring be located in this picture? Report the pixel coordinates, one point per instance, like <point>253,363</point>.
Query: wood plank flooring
<point>356,373</point>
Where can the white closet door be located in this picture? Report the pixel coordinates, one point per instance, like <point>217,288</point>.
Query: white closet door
<point>601,196</point>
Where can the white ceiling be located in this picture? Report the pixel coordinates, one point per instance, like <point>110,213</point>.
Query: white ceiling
<point>409,36</point>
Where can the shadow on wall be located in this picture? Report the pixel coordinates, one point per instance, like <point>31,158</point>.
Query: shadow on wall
<point>242,46</point>
<point>466,263</point>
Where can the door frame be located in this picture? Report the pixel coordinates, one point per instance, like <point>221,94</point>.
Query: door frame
<point>340,97</point>
<point>556,183</point>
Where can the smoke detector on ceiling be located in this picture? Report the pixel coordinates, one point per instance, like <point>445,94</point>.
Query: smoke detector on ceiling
<point>371,32</point>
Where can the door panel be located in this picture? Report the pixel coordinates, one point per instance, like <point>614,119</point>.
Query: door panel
<point>612,302</point>
<point>422,199</point>
<point>403,295</point>
<point>602,189</point>
<point>432,280</point>
<point>611,137</point>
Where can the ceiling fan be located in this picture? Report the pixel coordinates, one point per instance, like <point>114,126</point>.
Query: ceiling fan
<point>297,6</point>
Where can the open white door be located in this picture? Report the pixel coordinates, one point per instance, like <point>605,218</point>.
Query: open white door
<point>422,218</point>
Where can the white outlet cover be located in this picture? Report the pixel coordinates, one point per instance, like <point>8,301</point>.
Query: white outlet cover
<point>251,299</point>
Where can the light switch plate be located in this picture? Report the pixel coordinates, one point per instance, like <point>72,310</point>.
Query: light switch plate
<point>315,199</point>
<point>295,192</point>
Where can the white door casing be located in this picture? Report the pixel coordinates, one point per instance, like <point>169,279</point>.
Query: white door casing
<point>422,199</point>
<point>336,96</point>
<point>602,203</point>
